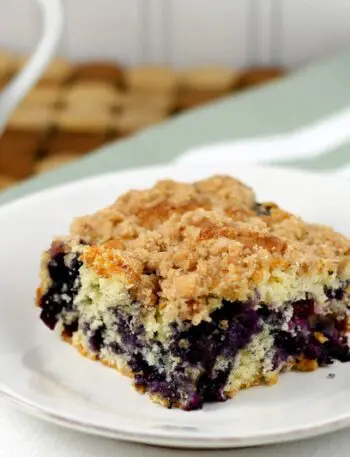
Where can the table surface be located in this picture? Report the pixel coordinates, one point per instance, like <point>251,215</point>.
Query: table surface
<point>306,96</point>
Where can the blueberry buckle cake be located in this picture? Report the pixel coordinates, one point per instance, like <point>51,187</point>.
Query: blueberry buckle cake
<point>197,291</point>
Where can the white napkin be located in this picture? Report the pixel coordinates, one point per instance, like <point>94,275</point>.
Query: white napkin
<point>311,141</point>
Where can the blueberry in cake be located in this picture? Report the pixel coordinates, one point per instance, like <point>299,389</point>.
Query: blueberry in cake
<point>197,291</point>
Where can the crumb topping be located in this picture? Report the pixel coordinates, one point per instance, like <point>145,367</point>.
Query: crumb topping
<point>180,244</point>
<point>137,210</point>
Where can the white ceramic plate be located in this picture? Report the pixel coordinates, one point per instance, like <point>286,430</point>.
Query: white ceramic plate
<point>51,380</point>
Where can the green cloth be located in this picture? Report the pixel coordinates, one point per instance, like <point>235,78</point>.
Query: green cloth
<point>304,97</point>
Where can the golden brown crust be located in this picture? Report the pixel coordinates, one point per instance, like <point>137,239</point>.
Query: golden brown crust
<point>305,365</point>
<point>178,244</point>
<point>106,263</point>
<point>38,295</point>
<point>259,380</point>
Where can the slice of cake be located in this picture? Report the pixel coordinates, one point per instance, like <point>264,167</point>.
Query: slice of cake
<point>197,291</point>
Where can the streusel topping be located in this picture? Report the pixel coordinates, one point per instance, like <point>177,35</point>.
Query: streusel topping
<point>149,208</point>
<point>180,244</point>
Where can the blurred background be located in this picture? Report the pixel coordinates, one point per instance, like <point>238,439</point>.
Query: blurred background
<point>125,65</point>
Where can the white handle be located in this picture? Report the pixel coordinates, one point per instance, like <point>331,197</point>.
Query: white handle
<point>12,95</point>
